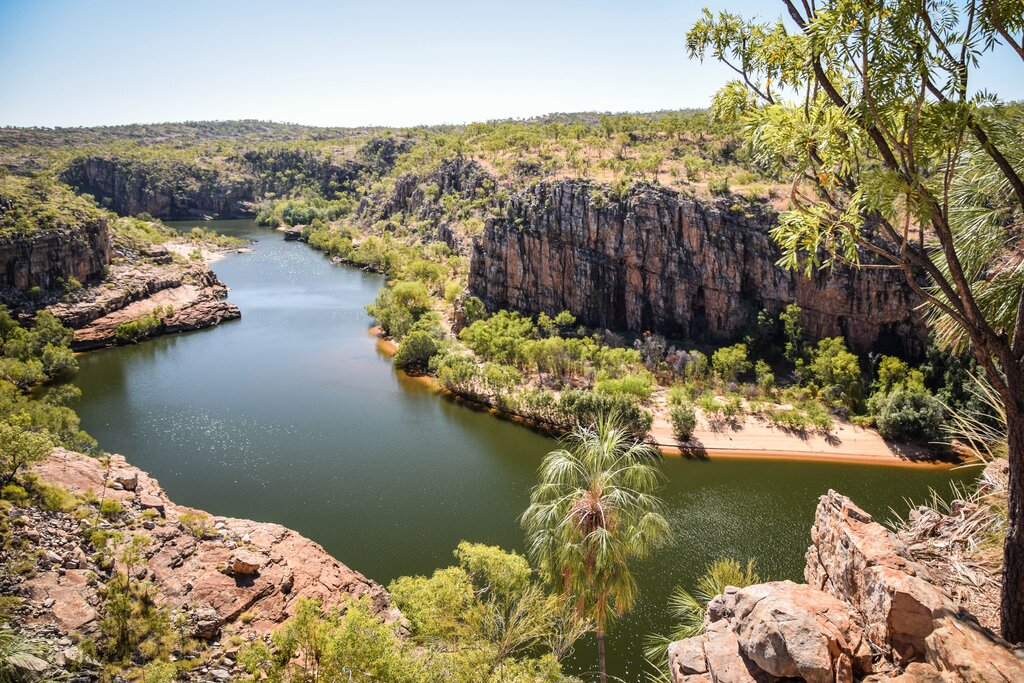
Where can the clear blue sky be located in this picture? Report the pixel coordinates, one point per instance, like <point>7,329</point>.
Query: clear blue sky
<point>69,63</point>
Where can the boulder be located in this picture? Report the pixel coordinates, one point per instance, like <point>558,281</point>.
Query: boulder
<point>127,480</point>
<point>148,502</point>
<point>794,630</point>
<point>205,623</point>
<point>246,563</point>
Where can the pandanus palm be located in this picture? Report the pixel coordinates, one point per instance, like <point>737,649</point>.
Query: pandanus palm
<point>593,511</point>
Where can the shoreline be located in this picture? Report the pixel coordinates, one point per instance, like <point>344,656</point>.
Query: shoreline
<point>387,348</point>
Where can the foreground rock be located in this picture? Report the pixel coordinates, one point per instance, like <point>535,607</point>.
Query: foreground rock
<point>220,574</point>
<point>868,611</point>
<point>182,295</point>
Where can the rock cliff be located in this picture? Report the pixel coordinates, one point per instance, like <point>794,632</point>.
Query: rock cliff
<point>869,611</point>
<point>222,576</point>
<point>169,189</point>
<point>656,261</point>
<point>48,260</point>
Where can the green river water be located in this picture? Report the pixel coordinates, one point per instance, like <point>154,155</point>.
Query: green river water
<point>292,415</point>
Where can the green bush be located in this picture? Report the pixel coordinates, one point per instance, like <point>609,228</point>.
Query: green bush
<point>906,414</point>
<point>837,371</point>
<point>584,407</point>
<point>110,508</point>
<point>416,350</point>
<point>730,362</point>
<point>398,307</point>
<point>764,375</point>
<point>638,387</point>
<point>684,420</point>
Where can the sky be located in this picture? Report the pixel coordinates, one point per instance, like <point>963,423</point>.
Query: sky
<point>376,62</point>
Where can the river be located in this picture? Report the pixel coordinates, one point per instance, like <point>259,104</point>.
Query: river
<point>292,415</point>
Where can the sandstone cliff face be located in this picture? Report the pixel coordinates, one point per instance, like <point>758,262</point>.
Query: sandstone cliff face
<point>46,260</point>
<point>868,611</point>
<point>171,190</point>
<point>662,263</point>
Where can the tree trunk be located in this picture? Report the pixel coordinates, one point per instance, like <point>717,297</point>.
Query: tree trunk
<point>1011,610</point>
<point>601,663</point>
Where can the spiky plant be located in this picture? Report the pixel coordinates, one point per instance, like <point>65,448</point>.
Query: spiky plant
<point>21,658</point>
<point>688,608</point>
<point>593,512</point>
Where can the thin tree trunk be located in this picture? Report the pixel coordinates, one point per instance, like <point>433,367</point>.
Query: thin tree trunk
<point>1011,610</point>
<point>601,663</point>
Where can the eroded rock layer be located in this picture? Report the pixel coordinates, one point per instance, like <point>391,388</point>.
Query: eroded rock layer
<point>656,261</point>
<point>181,295</point>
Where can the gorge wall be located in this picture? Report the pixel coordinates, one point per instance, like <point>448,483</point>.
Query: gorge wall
<point>168,189</point>
<point>659,262</point>
<point>48,259</point>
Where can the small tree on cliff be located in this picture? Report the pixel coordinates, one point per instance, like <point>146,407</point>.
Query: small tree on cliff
<point>896,163</point>
<point>593,511</point>
<point>20,449</point>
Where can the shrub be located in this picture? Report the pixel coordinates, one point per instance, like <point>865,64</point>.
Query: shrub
<point>636,386</point>
<point>398,307</point>
<point>719,186</point>
<point>764,375</point>
<point>584,407</point>
<point>837,371</point>
<point>907,414</point>
<point>197,524</point>
<point>730,362</point>
<point>110,508</point>
<point>684,420</point>
<point>416,350</point>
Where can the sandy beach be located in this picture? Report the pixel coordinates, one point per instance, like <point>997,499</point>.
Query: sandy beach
<point>751,438</point>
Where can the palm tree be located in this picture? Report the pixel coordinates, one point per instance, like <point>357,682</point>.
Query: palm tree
<point>593,511</point>
<point>689,607</point>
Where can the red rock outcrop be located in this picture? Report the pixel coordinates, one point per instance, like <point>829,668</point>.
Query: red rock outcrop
<point>189,294</point>
<point>868,611</point>
<point>656,261</point>
<point>214,570</point>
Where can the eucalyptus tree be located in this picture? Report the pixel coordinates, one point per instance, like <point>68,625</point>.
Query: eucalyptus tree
<point>871,109</point>
<point>592,513</point>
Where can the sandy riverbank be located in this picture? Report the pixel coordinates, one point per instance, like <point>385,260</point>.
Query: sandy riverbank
<point>750,438</point>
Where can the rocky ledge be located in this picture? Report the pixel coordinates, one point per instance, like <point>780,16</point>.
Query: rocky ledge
<point>181,295</point>
<point>869,611</point>
<point>222,575</point>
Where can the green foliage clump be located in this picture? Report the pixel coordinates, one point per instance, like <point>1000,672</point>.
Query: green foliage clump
<point>907,414</point>
<point>416,351</point>
<point>585,408</point>
<point>398,307</point>
<point>637,386</point>
<point>501,338</point>
<point>144,326</point>
<point>684,420</point>
<point>484,619</point>
<point>730,362</point>
<point>837,372</point>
